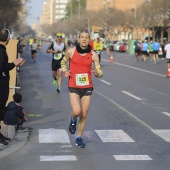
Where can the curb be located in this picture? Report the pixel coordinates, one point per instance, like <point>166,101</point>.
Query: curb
<point>19,141</point>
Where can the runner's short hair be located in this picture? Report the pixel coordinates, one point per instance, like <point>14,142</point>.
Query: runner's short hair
<point>84,31</point>
<point>4,34</point>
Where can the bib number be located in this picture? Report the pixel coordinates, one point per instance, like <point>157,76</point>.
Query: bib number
<point>82,79</point>
<point>57,56</point>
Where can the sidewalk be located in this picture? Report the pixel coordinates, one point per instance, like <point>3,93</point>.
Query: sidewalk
<point>19,141</point>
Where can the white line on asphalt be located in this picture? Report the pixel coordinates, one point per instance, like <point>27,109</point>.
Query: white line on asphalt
<point>131,95</point>
<point>162,75</point>
<point>105,82</point>
<point>132,157</point>
<point>164,134</point>
<point>166,113</point>
<point>58,158</point>
<point>114,136</point>
<point>53,136</point>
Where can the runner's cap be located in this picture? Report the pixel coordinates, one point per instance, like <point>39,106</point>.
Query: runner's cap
<point>59,35</point>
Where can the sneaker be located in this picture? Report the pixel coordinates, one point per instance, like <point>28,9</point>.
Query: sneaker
<point>58,90</point>
<point>72,126</point>
<point>5,138</point>
<point>3,142</point>
<point>54,82</point>
<point>21,129</point>
<point>80,143</point>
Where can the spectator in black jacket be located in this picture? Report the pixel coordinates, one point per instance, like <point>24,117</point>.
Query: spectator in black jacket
<point>5,67</point>
<point>14,113</point>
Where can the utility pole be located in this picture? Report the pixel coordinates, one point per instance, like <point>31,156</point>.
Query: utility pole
<point>134,19</point>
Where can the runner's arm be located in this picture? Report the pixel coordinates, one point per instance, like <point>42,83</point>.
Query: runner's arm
<point>64,61</point>
<point>97,71</point>
<point>50,49</point>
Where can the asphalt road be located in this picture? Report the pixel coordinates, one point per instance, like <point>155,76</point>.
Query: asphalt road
<point>128,124</point>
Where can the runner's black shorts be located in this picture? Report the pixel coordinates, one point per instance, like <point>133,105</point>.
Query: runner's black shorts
<point>55,65</point>
<point>137,51</point>
<point>155,52</point>
<point>168,60</point>
<point>81,91</point>
<point>33,51</point>
<point>144,52</point>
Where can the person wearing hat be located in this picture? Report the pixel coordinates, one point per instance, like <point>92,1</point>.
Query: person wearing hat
<point>57,49</point>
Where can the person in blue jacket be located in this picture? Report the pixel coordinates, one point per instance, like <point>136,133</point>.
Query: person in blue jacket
<point>14,113</point>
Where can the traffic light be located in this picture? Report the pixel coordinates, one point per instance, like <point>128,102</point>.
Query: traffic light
<point>67,16</point>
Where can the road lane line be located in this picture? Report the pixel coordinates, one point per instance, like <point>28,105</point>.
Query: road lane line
<point>166,113</point>
<point>162,75</point>
<point>114,136</point>
<point>164,134</point>
<point>105,82</point>
<point>58,158</point>
<point>132,157</point>
<point>131,95</point>
<point>53,136</point>
<point>126,111</point>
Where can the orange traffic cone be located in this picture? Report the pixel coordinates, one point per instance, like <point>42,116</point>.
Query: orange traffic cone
<point>168,73</point>
<point>111,59</point>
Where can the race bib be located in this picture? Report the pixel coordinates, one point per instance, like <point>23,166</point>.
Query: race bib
<point>57,56</point>
<point>82,79</point>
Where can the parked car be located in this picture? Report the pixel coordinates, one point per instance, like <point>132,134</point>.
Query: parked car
<point>117,46</point>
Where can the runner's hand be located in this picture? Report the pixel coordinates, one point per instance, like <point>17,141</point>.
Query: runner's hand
<point>67,73</point>
<point>95,72</point>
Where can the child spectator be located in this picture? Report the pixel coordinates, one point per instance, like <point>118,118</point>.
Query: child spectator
<point>14,113</point>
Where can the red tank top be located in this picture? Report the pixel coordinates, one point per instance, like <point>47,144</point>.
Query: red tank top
<point>80,69</point>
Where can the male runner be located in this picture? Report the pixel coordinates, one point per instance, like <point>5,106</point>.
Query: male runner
<point>57,49</point>
<point>80,84</point>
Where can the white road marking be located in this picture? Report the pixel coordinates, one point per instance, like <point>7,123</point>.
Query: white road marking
<point>114,136</point>
<point>53,136</point>
<point>164,134</point>
<point>131,95</point>
<point>105,82</point>
<point>58,158</point>
<point>132,157</point>
<point>162,75</point>
<point>166,113</point>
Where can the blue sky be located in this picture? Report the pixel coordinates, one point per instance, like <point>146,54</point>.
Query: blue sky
<point>35,11</point>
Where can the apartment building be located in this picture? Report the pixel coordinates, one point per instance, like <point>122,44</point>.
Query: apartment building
<point>60,9</point>
<point>118,4</point>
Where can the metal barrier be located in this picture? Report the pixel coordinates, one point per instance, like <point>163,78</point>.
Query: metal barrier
<point>14,88</point>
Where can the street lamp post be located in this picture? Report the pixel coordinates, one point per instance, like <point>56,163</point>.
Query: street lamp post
<point>106,9</point>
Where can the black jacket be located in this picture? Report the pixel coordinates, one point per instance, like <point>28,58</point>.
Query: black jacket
<point>13,114</point>
<point>5,67</point>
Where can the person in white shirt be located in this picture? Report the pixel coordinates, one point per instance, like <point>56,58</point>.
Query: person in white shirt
<point>167,50</point>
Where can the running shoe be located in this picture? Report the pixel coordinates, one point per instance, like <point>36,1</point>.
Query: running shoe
<point>80,143</point>
<point>21,129</point>
<point>72,126</point>
<point>58,90</point>
<point>54,82</point>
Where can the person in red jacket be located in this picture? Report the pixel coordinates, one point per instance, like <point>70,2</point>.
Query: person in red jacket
<point>80,82</point>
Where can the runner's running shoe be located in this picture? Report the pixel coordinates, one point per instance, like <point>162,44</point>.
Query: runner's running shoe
<point>80,143</point>
<point>54,82</point>
<point>72,126</point>
<point>58,90</point>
